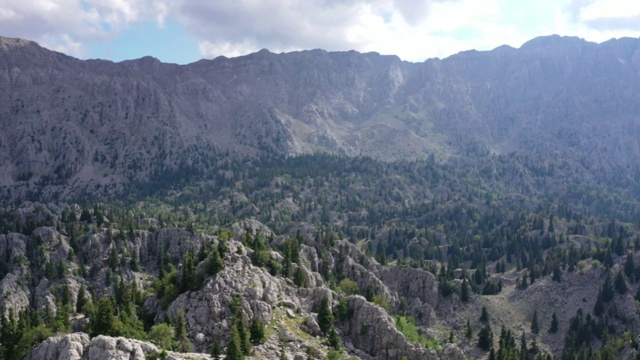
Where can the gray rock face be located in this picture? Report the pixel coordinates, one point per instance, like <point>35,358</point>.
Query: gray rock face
<point>92,126</point>
<point>78,346</point>
<point>372,331</point>
<point>64,347</point>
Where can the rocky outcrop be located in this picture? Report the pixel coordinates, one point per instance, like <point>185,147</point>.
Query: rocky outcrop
<point>78,346</point>
<point>63,347</point>
<point>207,310</point>
<point>373,333</point>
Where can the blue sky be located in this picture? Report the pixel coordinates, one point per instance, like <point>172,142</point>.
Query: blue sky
<point>184,31</point>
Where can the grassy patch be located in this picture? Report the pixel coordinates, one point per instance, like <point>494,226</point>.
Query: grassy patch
<point>407,326</point>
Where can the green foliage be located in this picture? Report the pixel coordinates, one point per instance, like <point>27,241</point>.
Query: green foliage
<point>299,278</point>
<point>325,316</point>
<point>162,335</point>
<point>181,335</point>
<point>260,258</point>
<point>30,338</point>
<point>82,299</point>
<point>333,338</point>
<point>484,315</point>
<point>167,288</point>
<point>215,351</point>
<point>447,288</point>
<point>334,355</point>
<point>464,291</point>
<point>535,324</point>
<point>103,320</point>
<point>214,262</point>
<point>345,312</point>
<point>407,325</point>
<point>620,284</point>
<point>234,348</point>
<point>257,332</point>
<point>381,301</point>
<point>485,338</point>
<point>348,286</point>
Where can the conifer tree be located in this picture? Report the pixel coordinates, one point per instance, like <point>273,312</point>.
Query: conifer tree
<point>102,321</point>
<point>485,338</point>
<point>298,277</point>
<point>325,316</point>
<point>535,326</point>
<point>620,284</point>
<point>607,290</point>
<point>215,351</point>
<point>257,331</point>
<point>464,291</point>
<point>82,299</point>
<point>629,266</point>
<point>234,348</point>
<point>554,323</point>
<point>484,316</point>
<point>182,334</point>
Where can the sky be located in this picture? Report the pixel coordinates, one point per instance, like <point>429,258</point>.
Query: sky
<point>185,31</point>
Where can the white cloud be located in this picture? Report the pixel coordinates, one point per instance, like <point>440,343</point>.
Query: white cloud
<point>412,29</point>
<point>69,24</point>
<point>610,9</point>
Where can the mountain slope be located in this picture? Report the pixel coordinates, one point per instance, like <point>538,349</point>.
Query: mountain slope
<point>94,125</point>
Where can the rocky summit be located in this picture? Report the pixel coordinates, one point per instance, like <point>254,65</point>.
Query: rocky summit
<point>322,205</point>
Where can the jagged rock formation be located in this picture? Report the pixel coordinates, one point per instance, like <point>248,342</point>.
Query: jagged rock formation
<point>47,256</point>
<point>79,346</point>
<point>73,123</point>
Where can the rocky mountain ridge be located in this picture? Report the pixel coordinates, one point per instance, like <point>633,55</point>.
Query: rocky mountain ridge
<point>288,310</point>
<point>73,127</point>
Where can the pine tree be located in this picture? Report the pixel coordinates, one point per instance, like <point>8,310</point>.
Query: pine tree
<point>182,334</point>
<point>102,321</point>
<point>484,316</point>
<point>188,279</point>
<point>535,326</point>
<point>485,338</point>
<point>554,323</point>
<point>325,316</point>
<point>383,258</point>
<point>245,335</point>
<point>82,299</point>
<point>620,284</point>
<point>629,266</point>
<point>464,291</point>
<point>598,308</point>
<point>298,277</point>
<point>215,351</point>
<point>257,332</point>
<point>214,263</point>
<point>557,273</point>
<point>523,347</point>
<point>333,338</point>
<point>469,333</point>
<point>234,348</point>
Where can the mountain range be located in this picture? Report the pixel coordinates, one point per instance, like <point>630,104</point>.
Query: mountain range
<point>97,124</point>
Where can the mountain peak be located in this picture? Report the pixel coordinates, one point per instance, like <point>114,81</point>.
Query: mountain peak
<point>551,42</point>
<point>7,43</point>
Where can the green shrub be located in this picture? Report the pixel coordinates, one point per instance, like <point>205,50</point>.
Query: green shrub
<point>407,326</point>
